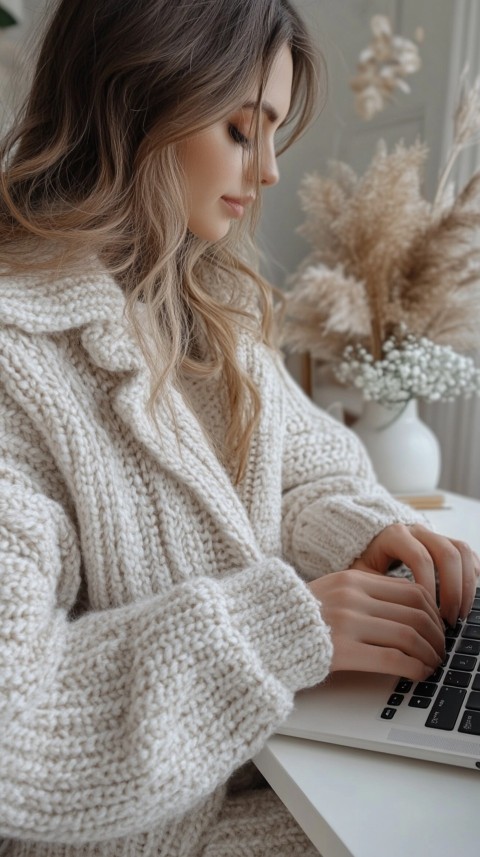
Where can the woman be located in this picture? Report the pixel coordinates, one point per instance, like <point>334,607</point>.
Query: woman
<point>166,488</point>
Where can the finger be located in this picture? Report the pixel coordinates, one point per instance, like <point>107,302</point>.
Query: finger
<point>476,563</point>
<point>405,638</point>
<point>418,559</point>
<point>363,657</point>
<point>404,545</point>
<point>469,578</point>
<point>411,619</point>
<point>401,591</point>
<point>456,572</point>
<point>448,562</point>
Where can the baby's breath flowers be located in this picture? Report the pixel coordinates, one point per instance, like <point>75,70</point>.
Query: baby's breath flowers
<point>410,368</point>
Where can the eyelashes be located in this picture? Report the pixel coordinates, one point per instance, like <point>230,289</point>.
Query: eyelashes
<point>238,137</point>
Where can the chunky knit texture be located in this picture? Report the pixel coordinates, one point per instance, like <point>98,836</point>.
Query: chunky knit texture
<point>154,624</point>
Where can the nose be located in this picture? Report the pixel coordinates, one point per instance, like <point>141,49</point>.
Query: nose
<point>269,174</point>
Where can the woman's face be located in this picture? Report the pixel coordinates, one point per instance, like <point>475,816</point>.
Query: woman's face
<point>219,178</point>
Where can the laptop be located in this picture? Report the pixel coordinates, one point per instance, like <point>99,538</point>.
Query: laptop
<point>437,719</point>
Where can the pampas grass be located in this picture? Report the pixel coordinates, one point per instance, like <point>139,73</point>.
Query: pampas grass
<point>382,67</point>
<point>384,259</point>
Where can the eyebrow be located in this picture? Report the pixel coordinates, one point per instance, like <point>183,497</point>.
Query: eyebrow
<point>266,108</point>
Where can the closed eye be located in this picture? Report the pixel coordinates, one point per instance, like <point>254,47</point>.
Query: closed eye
<point>238,137</point>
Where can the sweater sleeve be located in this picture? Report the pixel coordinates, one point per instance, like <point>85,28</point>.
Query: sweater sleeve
<point>333,505</point>
<point>120,719</point>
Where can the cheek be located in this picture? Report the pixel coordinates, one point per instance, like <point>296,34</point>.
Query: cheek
<point>206,159</point>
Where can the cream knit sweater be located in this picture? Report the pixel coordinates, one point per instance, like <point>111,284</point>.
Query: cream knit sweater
<point>154,626</point>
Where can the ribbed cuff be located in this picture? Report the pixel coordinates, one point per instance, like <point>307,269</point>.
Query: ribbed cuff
<point>331,534</point>
<point>281,619</point>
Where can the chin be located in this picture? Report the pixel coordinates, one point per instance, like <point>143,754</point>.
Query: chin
<point>212,232</point>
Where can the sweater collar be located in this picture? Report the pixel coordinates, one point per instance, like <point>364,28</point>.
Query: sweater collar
<point>92,303</point>
<point>49,305</point>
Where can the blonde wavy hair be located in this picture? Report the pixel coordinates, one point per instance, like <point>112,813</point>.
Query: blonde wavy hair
<point>90,169</point>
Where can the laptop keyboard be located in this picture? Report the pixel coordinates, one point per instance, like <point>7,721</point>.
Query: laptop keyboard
<point>450,697</point>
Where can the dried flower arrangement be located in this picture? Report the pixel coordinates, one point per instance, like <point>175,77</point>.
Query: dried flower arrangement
<point>386,263</point>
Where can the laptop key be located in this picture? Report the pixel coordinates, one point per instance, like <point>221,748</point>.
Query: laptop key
<point>388,713</point>
<point>436,676</point>
<point>424,688</point>
<point>404,685</point>
<point>472,632</point>
<point>466,663</point>
<point>420,701</point>
<point>455,678</point>
<point>468,647</point>
<point>395,699</point>
<point>476,682</point>
<point>446,708</point>
<point>473,701</point>
<point>470,722</point>
<point>473,618</point>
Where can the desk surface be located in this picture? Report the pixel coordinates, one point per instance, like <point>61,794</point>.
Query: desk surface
<point>354,803</point>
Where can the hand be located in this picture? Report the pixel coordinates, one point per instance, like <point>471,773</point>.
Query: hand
<point>381,624</point>
<point>423,551</point>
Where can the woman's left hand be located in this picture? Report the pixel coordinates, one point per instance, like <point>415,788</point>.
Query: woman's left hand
<point>425,552</point>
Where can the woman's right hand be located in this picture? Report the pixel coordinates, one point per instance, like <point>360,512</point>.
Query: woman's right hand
<point>381,624</point>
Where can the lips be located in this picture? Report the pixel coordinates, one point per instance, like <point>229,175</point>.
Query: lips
<point>237,205</point>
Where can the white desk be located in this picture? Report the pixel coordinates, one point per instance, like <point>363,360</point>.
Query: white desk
<point>353,803</point>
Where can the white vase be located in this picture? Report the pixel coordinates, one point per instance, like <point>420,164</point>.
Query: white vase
<point>404,452</point>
